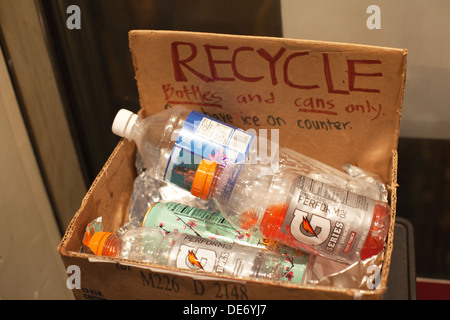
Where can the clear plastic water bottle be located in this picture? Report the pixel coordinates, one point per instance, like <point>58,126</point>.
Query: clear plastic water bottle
<point>296,210</point>
<point>185,251</point>
<point>173,142</point>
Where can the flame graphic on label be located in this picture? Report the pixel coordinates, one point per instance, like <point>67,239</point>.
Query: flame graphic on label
<point>307,227</point>
<point>193,259</point>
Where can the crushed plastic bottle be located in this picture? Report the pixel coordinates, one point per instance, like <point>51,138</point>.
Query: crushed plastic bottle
<point>296,210</point>
<point>148,190</point>
<point>185,251</point>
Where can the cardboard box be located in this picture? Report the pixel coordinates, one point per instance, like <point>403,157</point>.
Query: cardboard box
<point>338,103</point>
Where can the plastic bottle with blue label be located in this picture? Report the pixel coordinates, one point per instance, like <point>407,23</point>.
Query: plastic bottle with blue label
<point>190,252</point>
<point>173,142</point>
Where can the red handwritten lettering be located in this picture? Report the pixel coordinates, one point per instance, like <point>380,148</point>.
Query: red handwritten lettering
<point>286,69</point>
<point>177,62</point>
<point>352,74</point>
<point>272,61</point>
<point>235,69</point>
<point>328,79</point>
<point>186,58</point>
<point>212,62</point>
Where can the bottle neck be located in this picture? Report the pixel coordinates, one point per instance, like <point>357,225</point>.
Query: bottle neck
<point>123,123</point>
<point>128,134</point>
<point>105,244</point>
<point>213,184</point>
<point>205,179</point>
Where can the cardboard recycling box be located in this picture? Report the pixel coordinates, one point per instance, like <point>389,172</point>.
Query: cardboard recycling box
<point>337,103</point>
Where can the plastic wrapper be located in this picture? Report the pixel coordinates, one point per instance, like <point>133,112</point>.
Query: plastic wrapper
<point>354,179</point>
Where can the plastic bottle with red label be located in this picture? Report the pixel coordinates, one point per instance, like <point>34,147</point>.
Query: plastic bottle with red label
<point>296,210</point>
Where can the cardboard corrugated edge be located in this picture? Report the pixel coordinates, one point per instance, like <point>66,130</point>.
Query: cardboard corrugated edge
<point>392,187</point>
<point>393,203</point>
<point>394,183</point>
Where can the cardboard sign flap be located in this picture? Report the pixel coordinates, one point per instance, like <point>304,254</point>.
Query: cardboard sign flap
<point>338,103</point>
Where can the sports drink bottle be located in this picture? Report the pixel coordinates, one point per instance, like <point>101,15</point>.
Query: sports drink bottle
<point>296,209</point>
<point>177,217</point>
<point>186,251</point>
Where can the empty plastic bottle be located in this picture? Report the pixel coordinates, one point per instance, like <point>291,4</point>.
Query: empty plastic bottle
<point>149,244</point>
<point>173,142</point>
<point>296,210</point>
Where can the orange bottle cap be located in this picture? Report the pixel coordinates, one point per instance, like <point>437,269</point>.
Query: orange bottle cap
<point>203,178</point>
<point>98,240</point>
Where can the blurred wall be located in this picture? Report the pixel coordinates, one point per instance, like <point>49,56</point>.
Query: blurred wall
<point>420,26</point>
<point>30,266</point>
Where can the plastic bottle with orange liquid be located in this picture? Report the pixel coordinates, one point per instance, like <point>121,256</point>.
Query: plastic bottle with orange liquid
<point>296,210</point>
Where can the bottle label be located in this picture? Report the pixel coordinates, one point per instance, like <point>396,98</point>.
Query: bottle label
<point>173,217</point>
<point>202,137</point>
<point>197,253</point>
<point>334,222</point>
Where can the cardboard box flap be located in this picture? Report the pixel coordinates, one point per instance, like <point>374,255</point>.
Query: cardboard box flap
<point>338,103</point>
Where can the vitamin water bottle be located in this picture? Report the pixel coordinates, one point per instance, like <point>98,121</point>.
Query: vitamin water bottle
<point>185,251</point>
<point>296,210</point>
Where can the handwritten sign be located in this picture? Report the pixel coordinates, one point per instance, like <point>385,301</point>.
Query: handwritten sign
<point>338,103</point>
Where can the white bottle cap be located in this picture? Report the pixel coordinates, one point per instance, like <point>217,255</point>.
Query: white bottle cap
<point>123,123</point>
